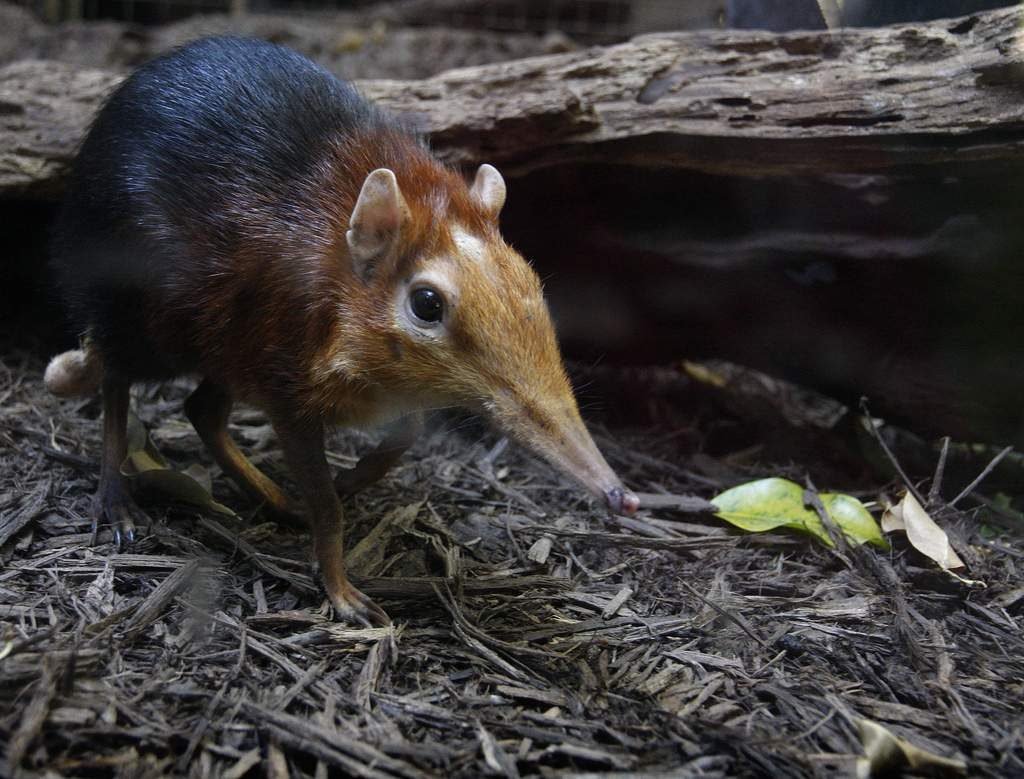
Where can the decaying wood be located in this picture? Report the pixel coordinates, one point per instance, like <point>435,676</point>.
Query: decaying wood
<point>738,103</point>
<point>356,45</point>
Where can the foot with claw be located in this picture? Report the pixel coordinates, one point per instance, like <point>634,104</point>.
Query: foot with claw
<point>113,506</point>
<point>351,605</point>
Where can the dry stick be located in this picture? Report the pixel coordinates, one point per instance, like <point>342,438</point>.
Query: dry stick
<point>20,646</point>
<point>401,588</point>
<point>384,587</point>
<point>17,520</point>
<point>32,718</point>
<point>888,452</point>
<point>495,756</point>
<point>325,718</point>
<point>204,722</point>
<point>330,745</point>
<point>1001,515</point>
<point>687,504</point>
<point>621,539</point>
<point>940,471</point>
<point>735,618</point>
<point>1000,548</point>
<point>312,673</point>
<point>243,634</point>
<point>200,728</point>
<point>298,580</point>
<point>381,654</point>
<point>276,763</point>
<point>528,506</point>
<point>841,548</point>
<point>76,461</point>
<point>152,607</point>
<point>463,629</point>
<point>981,476</point>
<point>813,499</point>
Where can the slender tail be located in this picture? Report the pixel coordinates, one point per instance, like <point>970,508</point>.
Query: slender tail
<point>77,373</point>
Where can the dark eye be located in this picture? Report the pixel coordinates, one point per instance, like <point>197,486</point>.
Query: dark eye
<point>427,304</point>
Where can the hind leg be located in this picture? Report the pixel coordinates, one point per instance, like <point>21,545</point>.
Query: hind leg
<point>112,503</point>
<point>207,409</point>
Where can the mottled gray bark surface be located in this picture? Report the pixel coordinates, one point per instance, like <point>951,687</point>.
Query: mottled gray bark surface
<point>840,209</point>
<point>726,102</point>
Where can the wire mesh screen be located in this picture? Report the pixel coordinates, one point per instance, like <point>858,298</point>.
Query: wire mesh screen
<point>589,18</point>
<point>585,20</point>
<point>143,11</point>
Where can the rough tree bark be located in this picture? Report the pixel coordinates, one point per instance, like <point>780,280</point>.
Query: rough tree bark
<point>724,102</point>
<point>841,209</point>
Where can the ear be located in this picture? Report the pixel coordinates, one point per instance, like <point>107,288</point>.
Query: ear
<point>376,221</point>
<point>489,189</point>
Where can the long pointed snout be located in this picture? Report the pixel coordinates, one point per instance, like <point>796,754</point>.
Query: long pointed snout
<point>561,438</point>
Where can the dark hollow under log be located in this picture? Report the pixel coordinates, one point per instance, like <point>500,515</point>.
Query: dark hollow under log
<point>837,208</point>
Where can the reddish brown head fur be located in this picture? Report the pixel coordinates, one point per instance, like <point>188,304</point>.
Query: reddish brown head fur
<point>420,241</point>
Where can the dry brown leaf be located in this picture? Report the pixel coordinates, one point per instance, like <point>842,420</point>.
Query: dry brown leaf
<point>146,469</point>
<point>367,557</point>
<point>926,537</point>
<point>887,754</point>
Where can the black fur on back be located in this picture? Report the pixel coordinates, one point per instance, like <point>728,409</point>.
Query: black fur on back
<point>192,139</point>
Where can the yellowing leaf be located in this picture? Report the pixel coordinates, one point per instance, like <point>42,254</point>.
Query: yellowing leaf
<point>887,755</point>
<point>146,469</point>
<point>767,504</point>
<point>704,374</point>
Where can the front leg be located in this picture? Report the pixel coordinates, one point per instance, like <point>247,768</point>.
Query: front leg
<point>372,467</point>
<point>303,444</point>
<point>112,503</point>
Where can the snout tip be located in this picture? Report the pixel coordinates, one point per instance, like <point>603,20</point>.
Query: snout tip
<point>622,501</point>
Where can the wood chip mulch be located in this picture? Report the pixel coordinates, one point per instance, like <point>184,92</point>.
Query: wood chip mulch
<point>533,635</point>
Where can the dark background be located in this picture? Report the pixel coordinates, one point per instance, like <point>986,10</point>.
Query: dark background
<point>904,287</point>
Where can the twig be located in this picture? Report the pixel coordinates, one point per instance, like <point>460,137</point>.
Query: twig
<point>350,754</point>
<point>888,452</point>
<point>76,461</point>
<point>16,521</point>
<point>940,470</point>
<point>981,477</point>
<point>464,629</point>
<point>298,580</point>
<point>32,718</point>
<point>151,608</point>
<point>201,727</point>
<point>401,588</point>
<point>734,618</point>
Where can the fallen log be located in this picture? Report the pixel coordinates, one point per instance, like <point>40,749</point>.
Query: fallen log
<point>839,209</point>
<point>723,102</point>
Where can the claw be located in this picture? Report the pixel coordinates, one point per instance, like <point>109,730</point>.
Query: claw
<point>112,506</point>
<point>353,606</point>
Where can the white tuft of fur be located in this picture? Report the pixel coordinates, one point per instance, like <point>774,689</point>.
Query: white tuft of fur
<point>74,374</point>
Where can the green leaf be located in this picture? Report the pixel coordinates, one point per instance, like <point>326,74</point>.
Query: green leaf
<point>146,469</point>
<point>767,504</point>
<point>853,519</point>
